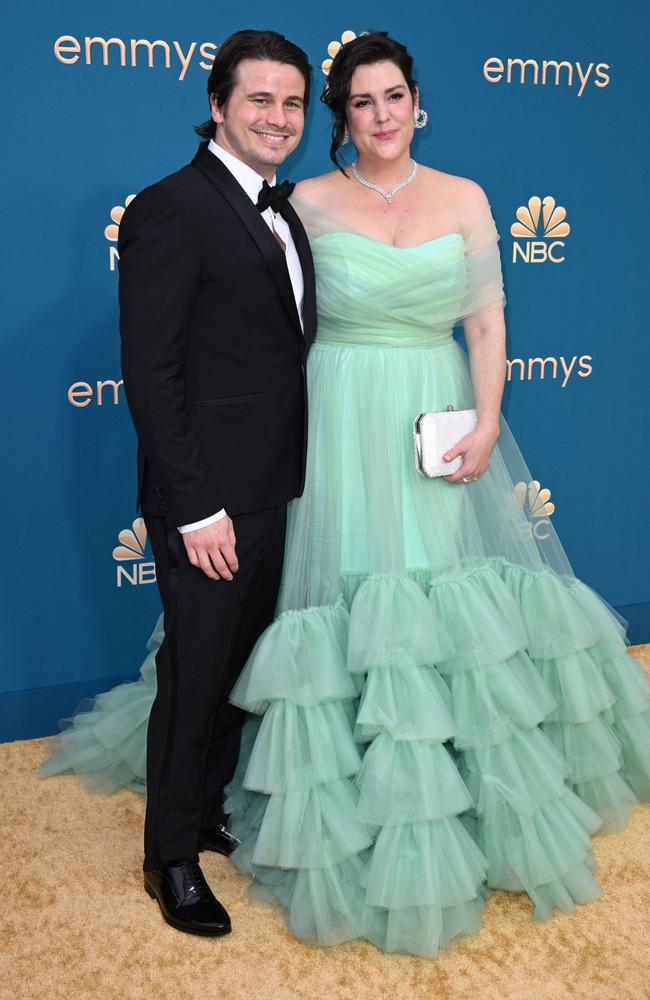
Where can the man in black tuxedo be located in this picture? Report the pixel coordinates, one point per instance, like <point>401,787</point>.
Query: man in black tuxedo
<point>217,315</point>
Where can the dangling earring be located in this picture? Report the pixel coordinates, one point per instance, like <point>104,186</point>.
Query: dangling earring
<point>346,136</point>
<point>420,118</point>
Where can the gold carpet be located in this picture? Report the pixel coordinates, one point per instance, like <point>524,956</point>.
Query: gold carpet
<point>76,923</point>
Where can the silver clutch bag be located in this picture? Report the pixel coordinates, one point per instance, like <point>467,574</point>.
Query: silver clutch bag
<point>437,432</point>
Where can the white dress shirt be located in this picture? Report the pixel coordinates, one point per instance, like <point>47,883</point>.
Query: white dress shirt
<point>251,182</point>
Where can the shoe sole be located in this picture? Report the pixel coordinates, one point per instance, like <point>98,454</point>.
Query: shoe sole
<point>177,925</point>
<point>216,850</point>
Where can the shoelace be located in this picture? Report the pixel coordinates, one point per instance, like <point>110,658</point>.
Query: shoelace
<point>194,883</point>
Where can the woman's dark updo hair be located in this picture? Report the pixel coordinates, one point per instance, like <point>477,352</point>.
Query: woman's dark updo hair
<point>372,47</point>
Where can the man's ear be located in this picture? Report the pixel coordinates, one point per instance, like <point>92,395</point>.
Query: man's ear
<point>217,112</point>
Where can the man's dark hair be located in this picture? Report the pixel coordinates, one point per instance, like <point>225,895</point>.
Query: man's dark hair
<point>371,47</point>
<point>250,44</point>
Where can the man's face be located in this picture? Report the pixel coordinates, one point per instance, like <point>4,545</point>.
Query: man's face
<point>262,121</point>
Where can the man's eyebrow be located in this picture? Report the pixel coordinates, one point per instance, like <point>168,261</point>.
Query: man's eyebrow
<point>266,93</point>
<point>389,90</point>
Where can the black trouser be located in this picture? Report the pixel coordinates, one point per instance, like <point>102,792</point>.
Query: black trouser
<point>210,629</point>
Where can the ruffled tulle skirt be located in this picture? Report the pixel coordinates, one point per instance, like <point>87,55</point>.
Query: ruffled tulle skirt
<point>105,742</point>
<point>440,707</point>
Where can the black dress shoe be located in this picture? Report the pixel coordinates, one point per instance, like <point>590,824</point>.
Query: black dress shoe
<point>218,840</point>
<point>186,900</point>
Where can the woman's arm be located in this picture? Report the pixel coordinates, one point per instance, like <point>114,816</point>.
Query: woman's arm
<point>485,336</point>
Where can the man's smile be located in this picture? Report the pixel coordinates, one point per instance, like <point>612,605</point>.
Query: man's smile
<point>273,138</point>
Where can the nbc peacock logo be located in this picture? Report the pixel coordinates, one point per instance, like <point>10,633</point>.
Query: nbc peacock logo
<point>132,551</point>
<point>537,508</point>
<point>542,225</point>
<point>335,47</point>
<point>112,230</point>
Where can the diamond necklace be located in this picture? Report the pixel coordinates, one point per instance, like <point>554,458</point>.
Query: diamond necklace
<point>388,195</point>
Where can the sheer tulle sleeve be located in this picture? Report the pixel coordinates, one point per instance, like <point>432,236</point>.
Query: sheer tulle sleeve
<point>484,282</point>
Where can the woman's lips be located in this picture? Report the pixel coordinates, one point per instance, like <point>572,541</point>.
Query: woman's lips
<point>385,135</point>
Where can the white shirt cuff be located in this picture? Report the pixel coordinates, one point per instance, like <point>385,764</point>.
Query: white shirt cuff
<point>184,528</point>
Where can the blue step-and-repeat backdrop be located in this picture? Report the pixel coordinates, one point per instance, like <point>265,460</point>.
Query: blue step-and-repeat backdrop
<point>541,103</point>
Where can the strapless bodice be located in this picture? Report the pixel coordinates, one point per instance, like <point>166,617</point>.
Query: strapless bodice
<point>375,294</point>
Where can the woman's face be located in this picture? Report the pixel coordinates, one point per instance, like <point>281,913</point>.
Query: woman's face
<point>379,111</point>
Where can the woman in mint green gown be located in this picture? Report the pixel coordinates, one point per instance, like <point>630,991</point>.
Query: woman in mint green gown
<point>440,707</point>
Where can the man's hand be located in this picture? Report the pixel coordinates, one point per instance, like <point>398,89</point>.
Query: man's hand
<point>212,549</point>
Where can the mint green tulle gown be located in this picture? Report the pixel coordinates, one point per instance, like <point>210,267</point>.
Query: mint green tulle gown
<point>440,708</point>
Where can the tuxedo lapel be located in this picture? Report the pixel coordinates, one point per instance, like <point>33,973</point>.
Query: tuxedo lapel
<point>307,264</point>
<point>250,216</point>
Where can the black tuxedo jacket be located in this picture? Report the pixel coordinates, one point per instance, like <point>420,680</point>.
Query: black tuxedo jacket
<point>212,348</point>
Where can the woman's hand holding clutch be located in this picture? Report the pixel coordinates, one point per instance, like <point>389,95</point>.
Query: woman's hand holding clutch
<point>476,449</point>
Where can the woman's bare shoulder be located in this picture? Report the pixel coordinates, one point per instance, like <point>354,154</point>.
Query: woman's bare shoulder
<point>318,190</point>
<point>462,197</point>
<point>454,187</point>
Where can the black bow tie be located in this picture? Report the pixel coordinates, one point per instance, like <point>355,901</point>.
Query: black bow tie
<point>275,196</point>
